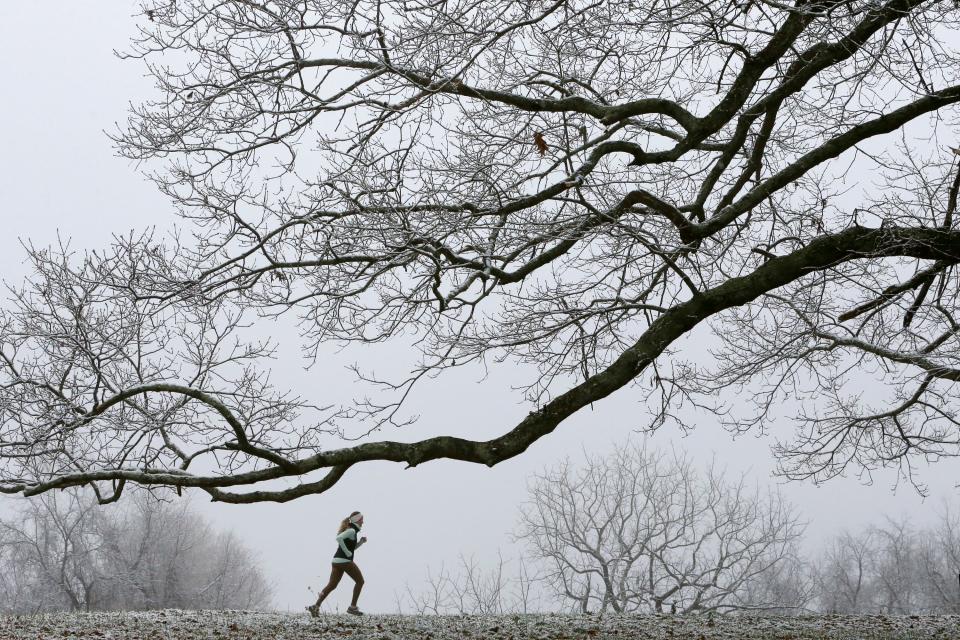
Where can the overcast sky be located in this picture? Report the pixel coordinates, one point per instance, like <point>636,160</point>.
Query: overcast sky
<point>63,87</point>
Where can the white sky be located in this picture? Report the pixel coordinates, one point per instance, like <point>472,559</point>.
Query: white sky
<point>59,175</point>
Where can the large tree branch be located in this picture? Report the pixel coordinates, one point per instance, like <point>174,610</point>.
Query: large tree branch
<point>822,253</point>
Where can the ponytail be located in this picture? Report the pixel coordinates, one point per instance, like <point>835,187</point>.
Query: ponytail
<point>345,523</point>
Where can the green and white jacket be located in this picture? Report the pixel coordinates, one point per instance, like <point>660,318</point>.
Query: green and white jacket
<point>347,543</point>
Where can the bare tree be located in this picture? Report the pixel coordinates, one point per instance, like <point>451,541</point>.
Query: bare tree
<point>569,184</point>
<point>641,530</point>
<point>469,588</point>
<point>432,598</point>
<point>893,568</point>
<point>172,557</point>
<point>898,579</point>
<point>156,554</point>
<point>63,552</point>
<point>234,579</point>
<point>52,553</point>
<point>788,588</point>
<point>846,573</point>
<point>524,592</point>
<point>939,564</point>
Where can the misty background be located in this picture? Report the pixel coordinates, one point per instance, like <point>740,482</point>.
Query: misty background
<point>60,180</point>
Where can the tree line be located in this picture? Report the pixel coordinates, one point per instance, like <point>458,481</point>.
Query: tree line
<point>893,567</point>
<point>636,531</point>
<point>645,531</point>
<point>63,552</point>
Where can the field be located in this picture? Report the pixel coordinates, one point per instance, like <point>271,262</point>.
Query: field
<point>242,625</point>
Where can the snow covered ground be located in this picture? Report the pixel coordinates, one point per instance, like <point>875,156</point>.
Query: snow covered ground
<point>242,625</point>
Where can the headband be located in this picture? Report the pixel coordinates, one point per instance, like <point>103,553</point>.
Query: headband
<point>354,518</point>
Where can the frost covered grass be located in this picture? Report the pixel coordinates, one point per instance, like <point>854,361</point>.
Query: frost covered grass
<point>242,625</point>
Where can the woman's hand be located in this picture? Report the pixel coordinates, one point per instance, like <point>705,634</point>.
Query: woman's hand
<point>363,539</point>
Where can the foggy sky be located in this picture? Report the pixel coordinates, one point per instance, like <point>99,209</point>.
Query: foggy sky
<point>63,87</point>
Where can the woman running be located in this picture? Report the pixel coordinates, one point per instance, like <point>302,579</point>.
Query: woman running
<point>343,563</point>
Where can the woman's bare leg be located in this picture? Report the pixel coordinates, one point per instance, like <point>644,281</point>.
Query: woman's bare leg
<point>336,572</point>
<point>352,570</point>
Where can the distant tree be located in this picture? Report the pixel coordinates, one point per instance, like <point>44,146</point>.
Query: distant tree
<point>846,574</point>
<point>50,555</point>
<point>939,564</point>
<point>898,587</point>
<point>574,185</point>
<point>62,552</point>
<point>234,578</point>
<point>894,568</point>
<point>469,588</point>
<point>155,551</point>
<point>642,530</point>
<point>789,588</point>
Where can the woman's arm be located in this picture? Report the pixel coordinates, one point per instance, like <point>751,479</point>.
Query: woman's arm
<point>342,537</point>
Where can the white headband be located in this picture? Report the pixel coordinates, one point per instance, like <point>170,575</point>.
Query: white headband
<point>355,518</point>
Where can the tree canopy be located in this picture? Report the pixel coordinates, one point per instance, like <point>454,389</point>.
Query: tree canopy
<point>572,185</point>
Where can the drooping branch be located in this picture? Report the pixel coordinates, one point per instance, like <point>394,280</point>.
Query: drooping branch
<point>856,243</point>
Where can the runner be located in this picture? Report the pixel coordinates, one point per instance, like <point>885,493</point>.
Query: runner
<point>343,563</point>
